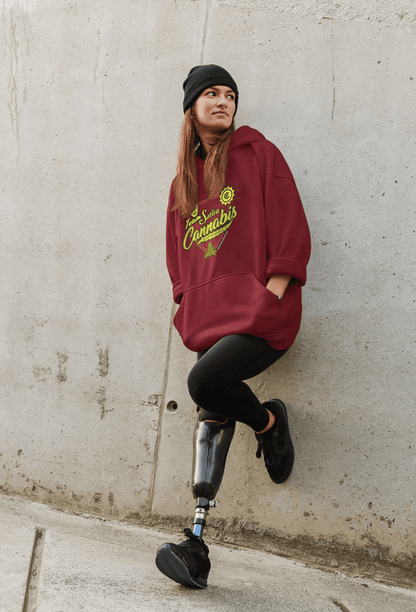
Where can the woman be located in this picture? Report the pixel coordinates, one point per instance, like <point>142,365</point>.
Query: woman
<point>237,248</point>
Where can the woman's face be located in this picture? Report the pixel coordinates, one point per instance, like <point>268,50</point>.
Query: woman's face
<point>214,110</point>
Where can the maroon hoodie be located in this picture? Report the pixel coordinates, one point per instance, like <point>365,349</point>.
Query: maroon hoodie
<point>220,259</point>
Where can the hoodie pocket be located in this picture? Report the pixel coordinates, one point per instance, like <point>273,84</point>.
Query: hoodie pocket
<point>266,291</point>
<point>233,304</point>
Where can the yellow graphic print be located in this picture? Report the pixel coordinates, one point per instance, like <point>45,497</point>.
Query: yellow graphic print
<point>210,250</point>
<point>210,227</point>
<point>227,196</point>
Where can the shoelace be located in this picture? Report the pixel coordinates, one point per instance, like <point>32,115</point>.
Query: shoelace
<point>196,542</point>
<point>193,539</point>
<point>262,446</point>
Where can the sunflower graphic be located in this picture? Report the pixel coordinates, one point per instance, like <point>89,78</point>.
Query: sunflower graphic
<point>227,196</point>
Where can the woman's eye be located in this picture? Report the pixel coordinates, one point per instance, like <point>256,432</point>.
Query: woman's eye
<point>231,97</point>
<point>211,93</point>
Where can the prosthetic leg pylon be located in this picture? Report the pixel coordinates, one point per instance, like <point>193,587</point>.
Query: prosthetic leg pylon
<point>212,439</point>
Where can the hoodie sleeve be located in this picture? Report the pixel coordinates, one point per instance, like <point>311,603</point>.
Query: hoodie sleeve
<point>172,251</point>
<point>288,239</point>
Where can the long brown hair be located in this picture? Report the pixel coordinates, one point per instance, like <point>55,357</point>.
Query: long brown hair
<point>185,185</point>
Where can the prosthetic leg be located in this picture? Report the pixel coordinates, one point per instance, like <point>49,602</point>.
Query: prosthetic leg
<point>212,439</point>
<point>188,563</point>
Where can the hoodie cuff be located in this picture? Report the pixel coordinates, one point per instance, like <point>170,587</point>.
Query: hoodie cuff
<point>287,267</point>
<point>177,292</point>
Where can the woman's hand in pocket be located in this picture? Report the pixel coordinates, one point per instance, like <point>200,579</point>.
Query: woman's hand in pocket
<point>277,284</point>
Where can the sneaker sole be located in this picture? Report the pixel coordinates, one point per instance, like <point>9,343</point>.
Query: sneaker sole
<point>171,566</point>
<point>289,466</point>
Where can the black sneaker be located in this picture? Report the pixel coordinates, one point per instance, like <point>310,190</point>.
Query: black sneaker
<point>186,563</point>
<point>276,444</point>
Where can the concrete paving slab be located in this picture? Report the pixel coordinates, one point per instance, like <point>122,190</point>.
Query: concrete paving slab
<point>83,574</point>
<point>16,541</point>
<point>94,565</point>
<point>78,573</point>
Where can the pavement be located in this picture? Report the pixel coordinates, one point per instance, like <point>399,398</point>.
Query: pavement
<point>53,561</point>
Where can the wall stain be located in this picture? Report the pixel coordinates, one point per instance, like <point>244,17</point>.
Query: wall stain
<point>62,359</point>
<point>204,32</point>
<point>16,34</point>
<point>41,373</point>
<point>103,361</point>
<point>333,62</point>
<point>101,399</point>
<point>97,58</point>
<point>152,400</point>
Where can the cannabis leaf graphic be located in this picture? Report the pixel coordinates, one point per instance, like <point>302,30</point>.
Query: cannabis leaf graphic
<point>210,251</point>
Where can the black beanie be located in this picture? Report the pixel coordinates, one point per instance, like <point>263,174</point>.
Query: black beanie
<point>202,77</point>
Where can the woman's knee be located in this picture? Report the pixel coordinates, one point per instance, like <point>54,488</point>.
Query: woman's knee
<point>195,385</point>
<point>201,388</point>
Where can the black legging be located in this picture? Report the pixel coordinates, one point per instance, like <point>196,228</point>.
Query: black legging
<point>215,382</point>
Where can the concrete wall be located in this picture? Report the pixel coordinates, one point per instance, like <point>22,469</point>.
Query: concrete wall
<point>90,112</point>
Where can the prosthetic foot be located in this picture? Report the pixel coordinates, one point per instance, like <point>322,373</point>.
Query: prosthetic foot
<point>212,439</point>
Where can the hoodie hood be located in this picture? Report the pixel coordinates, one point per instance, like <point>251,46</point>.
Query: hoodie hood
<point>243,136</point>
